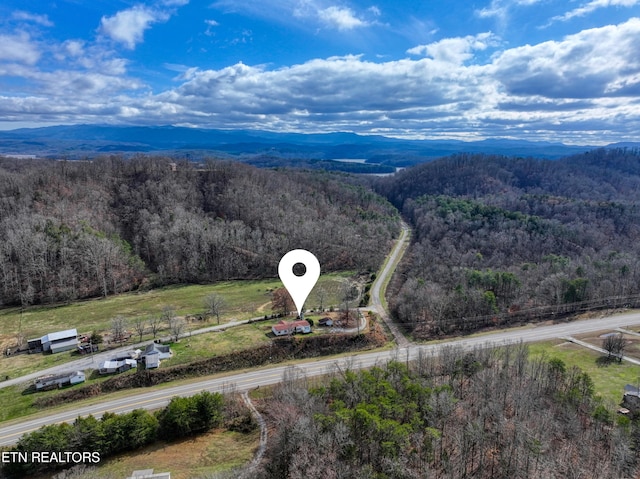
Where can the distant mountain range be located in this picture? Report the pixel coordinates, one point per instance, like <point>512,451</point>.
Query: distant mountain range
<point>260,147</point>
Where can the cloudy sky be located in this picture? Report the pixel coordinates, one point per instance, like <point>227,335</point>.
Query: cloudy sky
<point>530,69</point>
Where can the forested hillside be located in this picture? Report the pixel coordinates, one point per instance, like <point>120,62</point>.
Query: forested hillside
<point>496,236</point>
<point>476,414</point>
<point>78,229</point>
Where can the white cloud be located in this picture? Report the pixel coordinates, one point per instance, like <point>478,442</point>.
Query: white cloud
<point>211,24</point>
<point>591,64</point>
<point>74,48</point>
<point>18,48</point>
<point>592,6</point>
<point>32,17</point>
<point>341,18</point>
<point>323,13</point>
<point>589,81</point>
<point>456,50</point>
<point>501,10</point>
<point>497,8</point>
<point>128,26</point>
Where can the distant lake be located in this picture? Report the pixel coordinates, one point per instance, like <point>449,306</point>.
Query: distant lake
<point>351,160</point>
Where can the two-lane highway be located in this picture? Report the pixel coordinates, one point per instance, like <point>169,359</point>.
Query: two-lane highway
<point>243,381</point>
<point>247,380</point>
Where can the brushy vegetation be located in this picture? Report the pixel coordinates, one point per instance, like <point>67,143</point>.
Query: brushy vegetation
<point>484,413</point>
<point>277,351</point>
<point>116,433</point>
<point>72,230</point>
<point>510,240</point>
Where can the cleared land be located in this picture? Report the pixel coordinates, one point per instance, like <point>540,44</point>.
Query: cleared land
<point>208,453</point>
<point>609,378</point>
<point>243,300</point>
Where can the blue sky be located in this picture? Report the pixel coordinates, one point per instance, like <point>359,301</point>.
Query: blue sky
<point>529,69</point>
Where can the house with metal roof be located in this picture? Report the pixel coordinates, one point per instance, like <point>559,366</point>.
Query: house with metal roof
<point>154,353</point>
<point>113,366</point>
<point>59,380</point>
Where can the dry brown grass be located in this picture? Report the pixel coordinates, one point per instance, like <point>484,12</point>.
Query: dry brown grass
<point>215,451</point>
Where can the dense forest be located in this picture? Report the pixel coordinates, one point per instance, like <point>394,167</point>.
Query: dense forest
<point>74,229</point>
<point>475,414</point>
<point>497,236</point>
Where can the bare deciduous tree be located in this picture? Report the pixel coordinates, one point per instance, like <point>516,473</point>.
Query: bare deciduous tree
<point>155,324</point>
<point>321,294</point>
<point>614,345</point>
<point>118,328</point>
<point>140,326</point>
<point>176,327</point>
<point>214,304</point>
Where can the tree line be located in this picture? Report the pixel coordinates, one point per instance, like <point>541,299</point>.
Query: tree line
<point>75,229</point>
<point>475,414</point>
<point>116,433</point>
<point>497,235</point>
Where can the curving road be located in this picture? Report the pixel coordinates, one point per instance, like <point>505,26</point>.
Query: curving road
<point>377,290</point>
<point>247,380</point>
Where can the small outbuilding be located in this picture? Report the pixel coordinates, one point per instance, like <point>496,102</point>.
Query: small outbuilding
<point>631,398</point>
<point>55,342</point>
<point>154,353</point>
<point>114,366</point>
<point>326,321</point>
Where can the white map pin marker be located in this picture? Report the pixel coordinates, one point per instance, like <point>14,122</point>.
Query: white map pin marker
<point>299,287</point>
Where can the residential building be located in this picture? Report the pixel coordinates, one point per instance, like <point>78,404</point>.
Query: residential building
<point>302,326</point>
<point>60,380</point>
<point>113,366</point>
<point>154,353</point>
<point>282,328</point>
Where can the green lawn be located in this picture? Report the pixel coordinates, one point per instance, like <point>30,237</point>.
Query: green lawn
<point>609,380</point>
<point>243,300</point>
<point>17,401</point>
<point>204,346</point>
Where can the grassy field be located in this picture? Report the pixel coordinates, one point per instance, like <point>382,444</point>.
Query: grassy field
<point>207,453</point>
<point>243,300</point>
<point>17,401</point>
<point>241,337</point>
<point>609,379</point>
<point>215,451</point>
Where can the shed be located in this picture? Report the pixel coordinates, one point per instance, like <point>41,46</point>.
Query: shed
<point>59,341</point>
<point>112,366</point>
<point>152,360</point>
<point>631,398</point>
<point>326,321</point>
